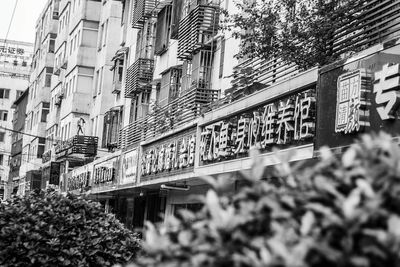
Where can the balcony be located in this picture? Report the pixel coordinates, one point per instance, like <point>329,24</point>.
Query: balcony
<point>371,23</point>
<point>139,77</point>
<point>79,145</point>
<point>255,74</point>
<point>182,110</point>
<point>143,9</point>
<point>197,29</point>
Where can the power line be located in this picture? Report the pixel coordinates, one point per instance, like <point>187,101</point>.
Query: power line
<point>31,135</point>
<point>12,17</point>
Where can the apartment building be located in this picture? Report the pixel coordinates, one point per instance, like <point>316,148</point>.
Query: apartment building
<point>38,104</point>
<point>15,184</point>
<point>15,60</point>
<point>81,93</point>
<point>184,107</point>
<point>161,82</point>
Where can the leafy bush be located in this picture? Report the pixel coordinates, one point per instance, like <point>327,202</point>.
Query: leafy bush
<point>343,211</point>
<point>50,229</point>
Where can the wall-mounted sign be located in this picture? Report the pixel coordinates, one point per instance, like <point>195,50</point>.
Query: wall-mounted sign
<point>352,101</point>
<point>288,121</point>
<point>105,172</point>
<point>129,167</point>
<point>78,181</point>
<point>387,91</point>
<point>367,93</point>
<point>12,50</point>
<point>176,153</point>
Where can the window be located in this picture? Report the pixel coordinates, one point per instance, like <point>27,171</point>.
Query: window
<point>2,136</point>
<point>1,159</point>
<point>101,37</point>
<point>4,93</point>
<point>105,33</point>
<point>163,30</point>
<point>3,115</point>
<point>47,80</point>
<point>100,80</point>
<point>72,84</point>
<point>51,45</point>
<point>45,111</point>
<point>66,89</point>
<point>96,78</point>
<point>222,58</point>
<point>78,36</point>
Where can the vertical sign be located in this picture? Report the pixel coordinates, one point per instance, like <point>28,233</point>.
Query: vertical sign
<point>352,102</point>
<point>129,167</point>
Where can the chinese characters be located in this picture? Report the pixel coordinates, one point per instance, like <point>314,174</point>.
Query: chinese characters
<point>351,102</point>
<point>173,155</point>
<point>280,123</point>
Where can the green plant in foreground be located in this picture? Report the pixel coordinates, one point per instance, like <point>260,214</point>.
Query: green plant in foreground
<point>342,211</point>
<point>50,229</point>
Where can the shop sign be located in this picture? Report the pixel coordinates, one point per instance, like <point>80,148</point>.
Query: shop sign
<point>387,91</point>
<point>78,181</point>
<point>178,153</point>
<point>129,167</point>
<point>288,121</point>
<point>353,97</point>
<point>105,173</point>
<point>10,50</point>
<point>352,102</point>
<point>367,92</point>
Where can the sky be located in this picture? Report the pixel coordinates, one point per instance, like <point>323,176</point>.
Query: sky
<point>23,24</point>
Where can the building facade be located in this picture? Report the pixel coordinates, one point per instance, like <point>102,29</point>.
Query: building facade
<point>174,63</point>
<point>38,104</point>
<point>15,184</point>
<point>15,60</point>
<point>146,97</point>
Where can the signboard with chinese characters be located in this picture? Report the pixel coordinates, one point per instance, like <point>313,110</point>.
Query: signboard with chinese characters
<point>129,167</point>
<point>105,173</point>
<point>285,122</point>
<point>77,181</point>
<point>359,97</point>
<point>11,51</point>
<point>171,155</point>
<point>352,101</point>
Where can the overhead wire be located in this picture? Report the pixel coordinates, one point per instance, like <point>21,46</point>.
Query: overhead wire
<point>11,20</point>
<point>28,134</point>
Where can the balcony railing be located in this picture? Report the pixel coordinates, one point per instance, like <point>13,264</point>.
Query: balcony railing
<point>142,10</point>
<point>139,77</point>
<point>79,144</point>
<point>197,29</point>
<point>178,112</point>
<point>371,23</point>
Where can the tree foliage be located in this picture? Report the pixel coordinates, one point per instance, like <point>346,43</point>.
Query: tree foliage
<point>298,31</point>
<point>344,211</point>
<point>49,229</point>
